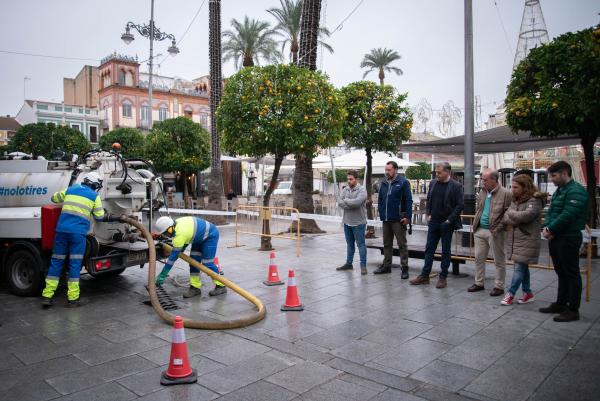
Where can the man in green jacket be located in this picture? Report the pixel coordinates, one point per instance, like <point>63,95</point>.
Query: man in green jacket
<point>564,221</point>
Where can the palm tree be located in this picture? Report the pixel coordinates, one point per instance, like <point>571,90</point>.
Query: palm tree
<point>380,59</point>
<point>303,173</point>
<point>288,18</point>
<point>214,52</point>
<point>250,40</point>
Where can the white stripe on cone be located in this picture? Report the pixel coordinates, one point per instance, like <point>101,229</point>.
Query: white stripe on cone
<point>178,362</point>
<point>291,281</point>
<point>178,336</point>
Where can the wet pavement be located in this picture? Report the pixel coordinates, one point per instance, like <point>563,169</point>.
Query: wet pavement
<point>359,337</point>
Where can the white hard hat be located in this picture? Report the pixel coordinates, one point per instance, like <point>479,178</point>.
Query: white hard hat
<point>163,223</point>
<point>93,179</point>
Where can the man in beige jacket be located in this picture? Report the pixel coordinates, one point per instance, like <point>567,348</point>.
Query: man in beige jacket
<point>489,232</point>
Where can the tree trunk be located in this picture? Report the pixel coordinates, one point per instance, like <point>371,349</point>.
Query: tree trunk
<point>248,61</point>
<point>186,191</point>
<point>381,76</point>
<point>303,201</point>
<point>294,49</point>
<point>303,174</point>
<point>588,142</point>
<point>370,229</point>
<point>215,180</point>
<point>265,241</point>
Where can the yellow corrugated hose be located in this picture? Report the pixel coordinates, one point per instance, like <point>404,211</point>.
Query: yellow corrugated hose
<point>189,323</point>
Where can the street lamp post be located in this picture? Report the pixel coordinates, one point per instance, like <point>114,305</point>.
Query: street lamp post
<point>151,32</point>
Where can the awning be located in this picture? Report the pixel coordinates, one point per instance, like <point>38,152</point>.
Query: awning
<point>358,159</point>
<point>494,140</point>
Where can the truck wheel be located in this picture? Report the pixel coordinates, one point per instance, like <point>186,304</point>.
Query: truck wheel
<point>23,273</point>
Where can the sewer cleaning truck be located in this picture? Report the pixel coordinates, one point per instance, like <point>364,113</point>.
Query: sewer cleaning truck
<point>28,218</point>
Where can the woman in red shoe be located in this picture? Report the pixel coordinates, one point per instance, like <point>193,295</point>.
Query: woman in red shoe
<point>523,218</point>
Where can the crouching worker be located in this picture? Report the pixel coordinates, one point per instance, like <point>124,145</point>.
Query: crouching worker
<point>204,238</point>
<point>79,203</point>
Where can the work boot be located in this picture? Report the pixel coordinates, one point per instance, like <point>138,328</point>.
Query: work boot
<point>553,308</point>
<point>192,292</point>
<point>567,315</point>
<point>346,266</point>
<point>404,274</point>
<point>47,302</point>
<point>475,288</point>
<point>442,282</point>
<point>363,270</point>
<point>74,303</point>
<point>420,280</point>
<point>218,290</point>
<point>496,292</point>
<point>383,270</point>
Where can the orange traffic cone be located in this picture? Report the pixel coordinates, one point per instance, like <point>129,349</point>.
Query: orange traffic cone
<point>292,301</point>
<point>273,276</point>
<point>179,370</point>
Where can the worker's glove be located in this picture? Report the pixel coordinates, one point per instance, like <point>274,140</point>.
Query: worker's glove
<point>160,279</point>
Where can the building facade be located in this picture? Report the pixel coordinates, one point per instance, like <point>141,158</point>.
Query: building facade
<point>8,128</point>
<point>123,96</point>
<point>83,119</point>
<point>83,89</point>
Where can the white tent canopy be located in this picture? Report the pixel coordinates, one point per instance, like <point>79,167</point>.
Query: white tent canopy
<point>358,159</point>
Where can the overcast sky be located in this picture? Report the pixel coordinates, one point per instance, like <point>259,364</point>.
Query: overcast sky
<point>427,33</point>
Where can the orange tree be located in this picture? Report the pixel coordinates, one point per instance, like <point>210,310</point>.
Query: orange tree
<point>130,139</point>
<point>41,139</point>
<point>378,119</point>
<point>178,144</point>
<point>279,110</point>
<point>555,91</point>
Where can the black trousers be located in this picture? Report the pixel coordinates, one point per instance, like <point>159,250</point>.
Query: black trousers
<point>565,257</point>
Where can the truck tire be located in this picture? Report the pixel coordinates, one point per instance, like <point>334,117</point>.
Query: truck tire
<point>23,273</point>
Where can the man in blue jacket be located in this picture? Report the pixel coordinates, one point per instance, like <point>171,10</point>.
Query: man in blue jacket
<point>444,205</point>
<point>395,210</point>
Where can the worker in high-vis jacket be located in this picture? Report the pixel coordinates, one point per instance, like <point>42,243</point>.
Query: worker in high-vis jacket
<point>79,203</point>
<point>204,238</point>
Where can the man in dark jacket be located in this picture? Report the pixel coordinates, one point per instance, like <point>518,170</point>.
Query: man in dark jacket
<point>395,210</point>
<point>564,221</point>
<point>444,205</point>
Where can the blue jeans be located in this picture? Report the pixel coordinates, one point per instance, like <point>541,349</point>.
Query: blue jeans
<point>435,232</point>
<point>356,234</point>
<point>521,275</point>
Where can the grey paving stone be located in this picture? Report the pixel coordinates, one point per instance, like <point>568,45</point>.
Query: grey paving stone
<point>445,374</point>
<point>434,314</point>
<point>387,369</point>
<point>362,382</point>
<point>299,349</point>
<point>484,312</point>
<point>339,390</point>
<point>398,333</point>
<point>109,352</point>
<point>303,376</point>
<point>571,380</point>
<point>395,395</point>
<point>453,331</point>
<point>432,393</point>
<point>105,392</point>
<point>378,376</point>
<point>232,377</point>
<point>295,332</point>
<point>413,355</point>
<point>40,371</point>
<point>536,355</point>
<point>144,382</point>
<point>38,353</point>
<point>260,391</point>
<point>33,391</point>
<point>95,375</point>
<point>236,351</point>
<point>188,392</point>
<point>360,351</point>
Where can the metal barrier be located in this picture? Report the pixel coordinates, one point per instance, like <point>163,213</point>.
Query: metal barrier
<point>587,271</point>
<point>274,222</point>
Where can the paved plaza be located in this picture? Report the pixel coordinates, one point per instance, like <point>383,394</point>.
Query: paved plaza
<point>359,337</point>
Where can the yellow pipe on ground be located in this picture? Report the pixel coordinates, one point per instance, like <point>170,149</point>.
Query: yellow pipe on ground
<point>189,323</point>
